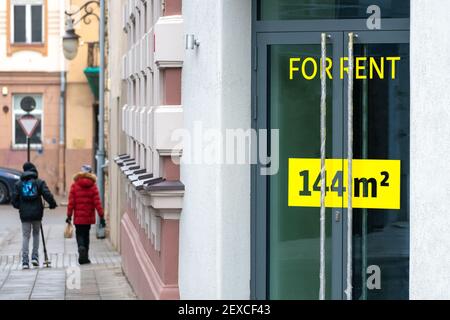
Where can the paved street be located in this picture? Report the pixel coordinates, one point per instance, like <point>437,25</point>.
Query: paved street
<point>65,280</point>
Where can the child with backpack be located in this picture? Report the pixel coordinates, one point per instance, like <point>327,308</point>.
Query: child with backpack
<point>27,198</point>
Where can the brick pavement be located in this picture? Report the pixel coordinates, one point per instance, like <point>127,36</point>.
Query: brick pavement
<point>102,280</point>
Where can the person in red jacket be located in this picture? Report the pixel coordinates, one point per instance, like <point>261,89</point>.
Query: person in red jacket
<point>84,199</point>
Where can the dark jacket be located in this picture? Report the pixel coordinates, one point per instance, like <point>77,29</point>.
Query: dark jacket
<point>84,199</point>
<point>32,209</point>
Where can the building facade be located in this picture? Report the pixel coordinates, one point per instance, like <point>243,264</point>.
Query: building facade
<point>81,121</point>
<point>221,227</point>
<point>146,220</point>
<point>217,89</point>
<point>116,97</point>
<point>31,69</point>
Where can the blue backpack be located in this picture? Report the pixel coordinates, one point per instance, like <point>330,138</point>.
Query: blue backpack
<point>29,190</point>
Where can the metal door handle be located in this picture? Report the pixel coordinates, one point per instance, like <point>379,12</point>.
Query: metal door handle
<point>323,143</point>
<point>348,291</point>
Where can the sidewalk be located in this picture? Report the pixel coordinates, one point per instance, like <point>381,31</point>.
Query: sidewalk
<point>102,280</point>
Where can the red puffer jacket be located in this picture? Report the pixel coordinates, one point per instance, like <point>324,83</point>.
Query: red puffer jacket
<point>84,199</point>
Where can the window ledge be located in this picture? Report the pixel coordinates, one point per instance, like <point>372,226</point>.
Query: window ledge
<point>34,147</point>
<point>23,44</point>
<point>37,47</point>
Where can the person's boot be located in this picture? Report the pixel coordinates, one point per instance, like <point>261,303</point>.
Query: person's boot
<point>87,257</point>
<point>82,255</point>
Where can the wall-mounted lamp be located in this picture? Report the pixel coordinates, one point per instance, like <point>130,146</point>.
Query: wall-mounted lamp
<point>5,91</point>
<point>191,42</point>
<point>71,41</point>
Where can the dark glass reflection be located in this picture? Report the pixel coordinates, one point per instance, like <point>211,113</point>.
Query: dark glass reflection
<point>381,131</point>
<point>20,24</point>
<point>329,9</point>
<point>294,234</point>
<point>36,21</point>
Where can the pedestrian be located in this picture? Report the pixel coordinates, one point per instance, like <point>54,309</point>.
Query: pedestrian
<point>84,200</point>
<point>27,198</point>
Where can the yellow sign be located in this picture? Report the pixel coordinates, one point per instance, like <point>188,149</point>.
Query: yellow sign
<point>376,183</point>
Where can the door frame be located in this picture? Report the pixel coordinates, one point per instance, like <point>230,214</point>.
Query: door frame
<point>281,30</point>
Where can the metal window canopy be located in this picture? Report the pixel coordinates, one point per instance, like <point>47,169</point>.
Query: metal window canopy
<point>165,186</point>
<point>133,172</point>
<point>126,162</point>
<point>121,157</point>
<point>140,185</point>
<point>126,170</point>
<point>93,75</point>
<point>140,176</point>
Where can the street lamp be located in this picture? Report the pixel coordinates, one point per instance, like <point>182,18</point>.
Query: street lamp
<point>70,48</point>
<point>71,41</point>
<point>71,38</point>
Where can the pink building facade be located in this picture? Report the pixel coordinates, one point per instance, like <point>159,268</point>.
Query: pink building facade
<point>150,174</point>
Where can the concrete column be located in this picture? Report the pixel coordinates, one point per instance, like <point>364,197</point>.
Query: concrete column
<point>430,150</point>
<point>215,221</point>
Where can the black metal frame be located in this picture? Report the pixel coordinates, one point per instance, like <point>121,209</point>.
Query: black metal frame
<point>88,12</point>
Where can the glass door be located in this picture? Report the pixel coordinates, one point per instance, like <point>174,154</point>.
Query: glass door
<point>288,236</point>
<point>381,131</point>
<point>286,204</point>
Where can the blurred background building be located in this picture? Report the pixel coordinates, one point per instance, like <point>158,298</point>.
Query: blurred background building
<point>33,70</point>
<point>82,91</point>
<point>32,67</point>
<point>145,60</point>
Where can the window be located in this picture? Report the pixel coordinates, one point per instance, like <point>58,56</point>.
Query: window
<point>329,9</point>
<point>20,103</point>
<point>27,23</point>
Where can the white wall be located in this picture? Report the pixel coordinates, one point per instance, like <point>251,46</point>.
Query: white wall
<point>430,149</point>
<point>117,91</point>
<point>215,221</point>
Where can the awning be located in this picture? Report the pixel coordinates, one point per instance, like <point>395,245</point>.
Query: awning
<point>92,75</point>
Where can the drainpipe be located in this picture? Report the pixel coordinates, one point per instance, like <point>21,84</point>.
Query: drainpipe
<point>62,133</point>
<point>62,118</point>
<point>100,157</point>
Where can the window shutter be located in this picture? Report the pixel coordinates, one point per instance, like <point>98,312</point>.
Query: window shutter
<point>36,22</point>
<point>20,24</point>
